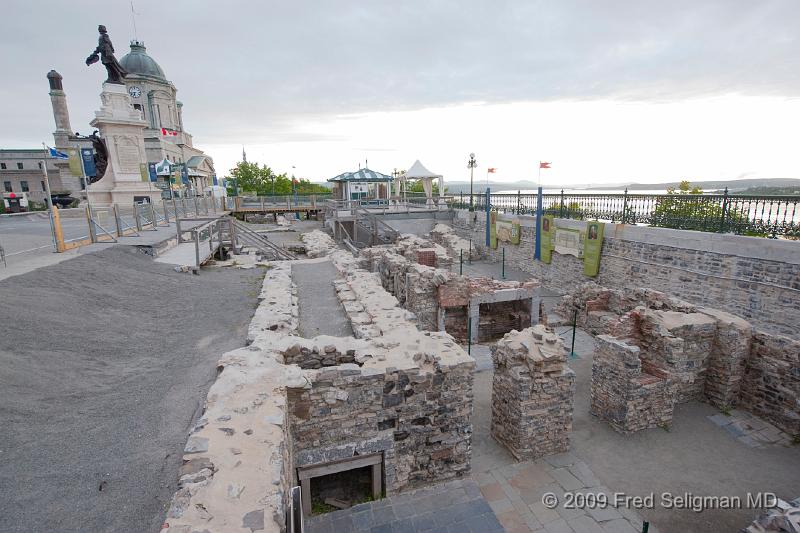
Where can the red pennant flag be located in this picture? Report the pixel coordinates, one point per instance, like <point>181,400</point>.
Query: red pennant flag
<point>544,164</point>
<point>491,170</point>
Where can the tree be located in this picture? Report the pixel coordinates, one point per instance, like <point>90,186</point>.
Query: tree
<point>417,187</point>
<point>252,178</point>
<point>687,208</point>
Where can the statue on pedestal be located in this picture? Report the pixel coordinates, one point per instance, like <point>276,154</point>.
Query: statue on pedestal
<point>105,54</point>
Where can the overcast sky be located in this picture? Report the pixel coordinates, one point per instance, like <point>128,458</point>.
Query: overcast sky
<point>609,91</point>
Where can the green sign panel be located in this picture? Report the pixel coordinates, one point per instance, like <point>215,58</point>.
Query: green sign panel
<point>592,247</point>
<point>547,231</point>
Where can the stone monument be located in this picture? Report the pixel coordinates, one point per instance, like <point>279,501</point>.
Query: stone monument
<point>122,128</point>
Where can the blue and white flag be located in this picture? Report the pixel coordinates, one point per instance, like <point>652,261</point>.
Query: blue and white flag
<point>56,154</point>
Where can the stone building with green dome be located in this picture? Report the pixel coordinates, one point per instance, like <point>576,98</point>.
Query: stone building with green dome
<point>165,137</point>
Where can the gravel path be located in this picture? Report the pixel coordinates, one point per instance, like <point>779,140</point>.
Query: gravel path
<point>321,312</point>
<point>105,361</point>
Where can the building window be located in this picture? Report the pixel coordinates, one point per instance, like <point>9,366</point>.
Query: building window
<point>44,187</point>
<point>24,185</point>
<point>2,166</point>
<point>19,166</point>
<point>7,186</point>
<point>40,165</point>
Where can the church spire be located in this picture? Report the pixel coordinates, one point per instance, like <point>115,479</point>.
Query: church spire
<point>244,155</point>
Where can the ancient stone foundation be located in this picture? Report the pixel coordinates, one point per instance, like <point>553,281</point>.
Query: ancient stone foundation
<point>419,420</point>
<point>532,393</point>
<point>707,354</point>
<point>628,393</point>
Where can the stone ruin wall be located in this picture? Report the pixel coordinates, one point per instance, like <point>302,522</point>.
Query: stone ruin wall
<point>411,399</point>
<point>754,278</point>
<point>625,392</point>
<point>409,392</point>
<point>236,471</point>
<point>419,420</point>
<point>533,391</point>
<point>770,385</point>
<point>710,354</point>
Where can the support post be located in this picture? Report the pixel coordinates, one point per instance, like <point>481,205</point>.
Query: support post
<point>537,253</point>
<point>196,248</point>
<point>59,233</point>
<point>625,207</point>
<point>724,211</point>
<point>49,203</point>
<point>118,226</point>
<point>377,489</point>
<point>503,274</point>
<point>137,218</point>
<point>488,216</point>
<point>92,233</point>
<point>574,326</point>
<point>153,216</point>
<point>461,261</point>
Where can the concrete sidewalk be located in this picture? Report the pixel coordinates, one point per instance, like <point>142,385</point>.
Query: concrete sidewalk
<point>46,256</point>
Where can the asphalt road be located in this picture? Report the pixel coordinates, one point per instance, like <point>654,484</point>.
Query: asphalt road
<point>30,233</point>
<point>105,361</point>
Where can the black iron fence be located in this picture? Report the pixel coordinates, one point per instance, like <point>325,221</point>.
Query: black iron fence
<point>727,213</point>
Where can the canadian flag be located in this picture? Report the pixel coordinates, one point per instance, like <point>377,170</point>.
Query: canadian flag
<point>168,133</point>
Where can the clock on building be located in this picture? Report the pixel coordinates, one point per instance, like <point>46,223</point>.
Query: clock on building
<point>134,91</point>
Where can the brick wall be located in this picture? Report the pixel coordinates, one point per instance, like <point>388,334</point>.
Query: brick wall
<point>754,278</point>
<point>623,393</point>
<point>419,420</point>
<point>532,394</point>
<point>771,383</point>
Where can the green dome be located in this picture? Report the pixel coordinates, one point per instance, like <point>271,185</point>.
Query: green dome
<point>138,63</point>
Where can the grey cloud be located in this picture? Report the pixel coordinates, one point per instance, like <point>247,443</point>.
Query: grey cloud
<point>250,68</point>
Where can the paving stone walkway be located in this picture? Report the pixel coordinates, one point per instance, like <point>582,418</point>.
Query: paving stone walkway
<point>515,490</point>
<point>321,313</point>
<point>751,430</point>
<point>453,507</point>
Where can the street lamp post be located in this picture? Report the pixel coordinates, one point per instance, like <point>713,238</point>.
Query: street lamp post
<point>471,166</point>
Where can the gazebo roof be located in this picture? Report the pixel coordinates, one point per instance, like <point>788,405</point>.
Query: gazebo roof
<point>418,170</point>
<point>362,175</point>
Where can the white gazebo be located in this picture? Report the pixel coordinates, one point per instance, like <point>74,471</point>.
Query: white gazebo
<point>419,172</point>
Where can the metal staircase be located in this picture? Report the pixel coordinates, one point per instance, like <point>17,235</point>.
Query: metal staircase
<point>379,231</point>
<point>245,235</point>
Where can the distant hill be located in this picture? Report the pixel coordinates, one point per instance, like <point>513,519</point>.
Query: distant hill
<point>732,185</point>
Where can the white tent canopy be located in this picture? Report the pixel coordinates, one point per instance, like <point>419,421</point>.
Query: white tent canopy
<point>418,171</point>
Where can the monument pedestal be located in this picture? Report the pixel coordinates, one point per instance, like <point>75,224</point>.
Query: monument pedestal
<point>122,128</point>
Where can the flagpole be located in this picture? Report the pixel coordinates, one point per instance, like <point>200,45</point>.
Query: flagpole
<point>49,200</point>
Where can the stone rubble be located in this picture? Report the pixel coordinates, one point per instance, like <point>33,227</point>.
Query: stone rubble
<point>446,236</point>
<point>785,518</point>
<point>318,243</point>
